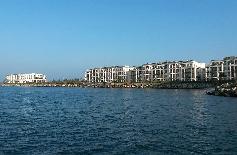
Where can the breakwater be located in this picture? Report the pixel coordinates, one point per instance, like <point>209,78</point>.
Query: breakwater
<point>157,85</point>
<point>184,85</point>
<point>226,89</point>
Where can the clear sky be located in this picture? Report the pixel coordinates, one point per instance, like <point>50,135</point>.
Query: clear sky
<point>62,38</point>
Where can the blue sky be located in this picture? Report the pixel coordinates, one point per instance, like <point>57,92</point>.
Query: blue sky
<point>62,38</point>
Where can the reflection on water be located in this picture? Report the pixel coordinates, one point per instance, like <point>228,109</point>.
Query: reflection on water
<point>116,121</point>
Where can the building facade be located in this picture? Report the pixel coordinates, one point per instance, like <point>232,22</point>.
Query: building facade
<point>230,68</point>
<point>225,69</point>
<point>26,78</point>
<point>215,70</point>
<point>108,74</point>
<point>190,70</point>
<point>165,71</point>
<point>174,71</point>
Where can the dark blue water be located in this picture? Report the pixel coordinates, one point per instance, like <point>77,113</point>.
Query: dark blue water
<point>116,121</point>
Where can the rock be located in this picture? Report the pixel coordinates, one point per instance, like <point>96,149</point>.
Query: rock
<point>227,90</point>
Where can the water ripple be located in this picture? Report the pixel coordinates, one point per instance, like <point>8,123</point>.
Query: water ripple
<point>115,121</point>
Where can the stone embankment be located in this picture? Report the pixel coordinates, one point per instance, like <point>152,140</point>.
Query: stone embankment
<point>42,85</point>
<point>157,85</point>
<point>184,85</point>
<point>226,89</point>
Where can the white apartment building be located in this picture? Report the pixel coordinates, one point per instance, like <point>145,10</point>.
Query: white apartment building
<point>190,70</point>
<point>165,71</point>
<point>147,72</point>
<point>174,71</point>
<point>225,69</point>
<point>13,78</point>
<point>26,78</point>
<point>135,74</point>
<point>230,68</point>
<point>108,74</point>
<point>215,70</point>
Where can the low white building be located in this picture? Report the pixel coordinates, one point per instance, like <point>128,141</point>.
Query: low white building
<point>26,78</point>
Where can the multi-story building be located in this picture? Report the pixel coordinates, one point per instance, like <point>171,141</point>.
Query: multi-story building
<point>108,74</point>
<point>135,74</point>
<point>158,72</point>
<point>147,72</point>
<point>190,70</point>
<point>165,71</point>
<point>194,71</point>
<point>225,69</point>
<point>26,78</point>
<point>215,70</point>
<point>13,78</point>
<point>174,71</point>
<point>230,68</point>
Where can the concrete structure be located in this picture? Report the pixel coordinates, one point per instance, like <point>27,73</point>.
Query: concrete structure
<point>26,78</point>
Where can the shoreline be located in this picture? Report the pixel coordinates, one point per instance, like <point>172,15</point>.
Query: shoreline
<point>226,90</point>
<point>141,85</point>
<point>216,88</point>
